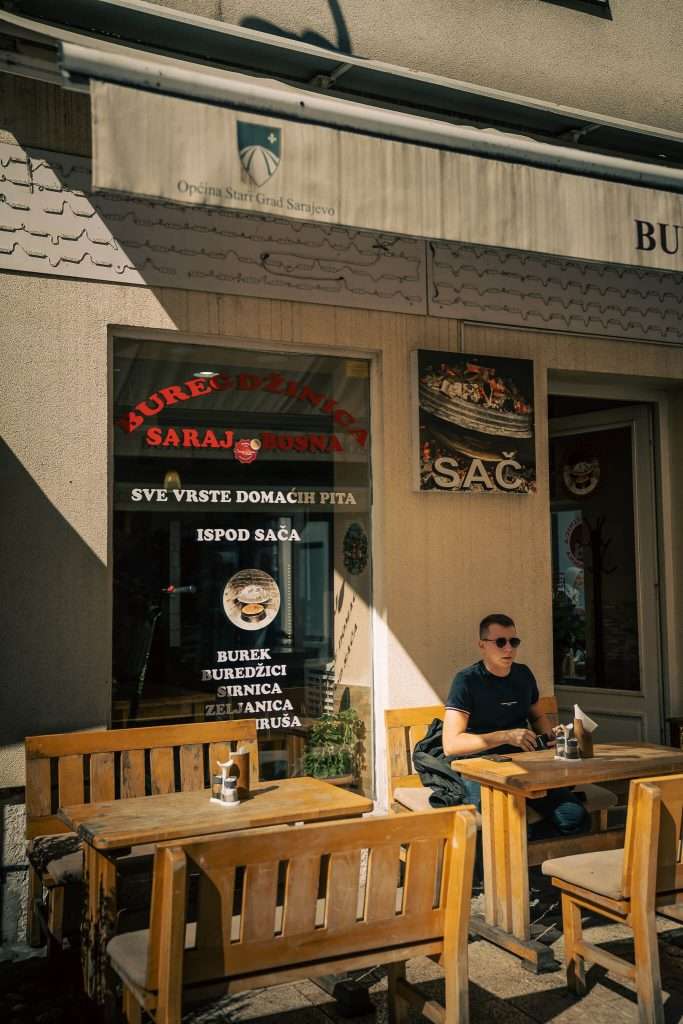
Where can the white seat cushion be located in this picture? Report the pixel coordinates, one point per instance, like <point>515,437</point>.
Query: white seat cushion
<point>414,798</point>
<point>60,856</point>
<point>596,798</point>
<point>66,869</point>
<point>598,872</point>
<point>128,953</point>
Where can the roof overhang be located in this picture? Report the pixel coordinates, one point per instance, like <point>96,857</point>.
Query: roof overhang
<point>38,27</point>
<point>198,132</point>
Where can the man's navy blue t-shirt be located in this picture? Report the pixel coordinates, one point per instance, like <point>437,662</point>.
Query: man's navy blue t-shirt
<point>494,702</point>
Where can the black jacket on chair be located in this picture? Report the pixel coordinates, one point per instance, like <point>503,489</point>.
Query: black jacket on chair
<point>434,769</point>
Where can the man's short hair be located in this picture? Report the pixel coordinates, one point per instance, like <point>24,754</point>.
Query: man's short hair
<point>494,620</point>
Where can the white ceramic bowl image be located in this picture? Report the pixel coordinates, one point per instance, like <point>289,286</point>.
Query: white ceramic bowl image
<point>251,599</point>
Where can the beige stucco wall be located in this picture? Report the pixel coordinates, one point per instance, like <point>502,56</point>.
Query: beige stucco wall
<point>441,561</point>
<point>444,561</point>
<point>628,67</point>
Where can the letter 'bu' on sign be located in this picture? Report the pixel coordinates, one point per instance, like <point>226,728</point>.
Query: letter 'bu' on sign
<point>666,237</point>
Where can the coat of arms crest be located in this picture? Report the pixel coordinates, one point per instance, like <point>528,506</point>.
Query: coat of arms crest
<point>259,148</point>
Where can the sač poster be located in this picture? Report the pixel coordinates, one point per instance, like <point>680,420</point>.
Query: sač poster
<point>475,423</point>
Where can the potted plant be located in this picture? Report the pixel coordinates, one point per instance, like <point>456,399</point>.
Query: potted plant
<point>333,745</point>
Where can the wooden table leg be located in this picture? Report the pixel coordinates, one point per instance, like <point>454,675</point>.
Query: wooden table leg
<point>489,864</point>
<point>506,919</point>
<point>519,867</point>
<point>501,852</point>
<point>99,921</point>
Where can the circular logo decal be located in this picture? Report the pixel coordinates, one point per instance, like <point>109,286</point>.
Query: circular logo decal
<point>247,449</point>
<point>581,477</point>
<point>576,535</point>
<point>251,599</point>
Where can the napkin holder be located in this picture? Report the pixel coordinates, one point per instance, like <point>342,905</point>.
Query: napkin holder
<point>583,730</point>
<point>584,738</point>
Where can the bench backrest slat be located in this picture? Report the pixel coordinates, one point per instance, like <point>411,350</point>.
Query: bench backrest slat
<point>301,894</point>
<point>161,769</point>
<point>70,778</point>
<point>102,777</point>
<point>132,773</point>
<point>87,767</point>
<point>260,895</point>
<point>336,901</point>
<point>192,766</point>
<point>38,786</point>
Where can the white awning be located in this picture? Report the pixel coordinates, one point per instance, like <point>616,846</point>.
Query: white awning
<point>203,154</point>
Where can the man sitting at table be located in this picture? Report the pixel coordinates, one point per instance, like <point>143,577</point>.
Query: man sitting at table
<point>488,711</point>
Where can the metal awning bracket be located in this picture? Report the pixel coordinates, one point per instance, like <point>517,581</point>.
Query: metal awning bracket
<point>327,81</point>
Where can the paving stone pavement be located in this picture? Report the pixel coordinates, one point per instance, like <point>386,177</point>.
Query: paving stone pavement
<point>33,991</point>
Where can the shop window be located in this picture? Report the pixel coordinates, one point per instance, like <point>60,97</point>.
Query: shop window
<point>242,569</point>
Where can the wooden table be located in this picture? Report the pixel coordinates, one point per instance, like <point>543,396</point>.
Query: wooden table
<point>111,828</point>
<point>505,788</point>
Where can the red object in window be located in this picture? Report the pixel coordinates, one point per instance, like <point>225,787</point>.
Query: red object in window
<point>246,450</point>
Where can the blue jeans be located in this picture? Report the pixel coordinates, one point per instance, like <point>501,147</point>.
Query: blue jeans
<point>561,810</point>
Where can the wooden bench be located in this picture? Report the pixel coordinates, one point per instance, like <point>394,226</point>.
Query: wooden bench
<point>88,767</point>
<point>406,726</point>
<point>338,911</point>
<point>627,886</point>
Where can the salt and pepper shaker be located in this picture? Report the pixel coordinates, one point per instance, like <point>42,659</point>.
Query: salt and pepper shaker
<point>572,753</point>
<point>567,746</point>
<point>229,794</point>
<point>226,785</point>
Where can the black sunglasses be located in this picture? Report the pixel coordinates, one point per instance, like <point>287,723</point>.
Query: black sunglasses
<point>501,641</point>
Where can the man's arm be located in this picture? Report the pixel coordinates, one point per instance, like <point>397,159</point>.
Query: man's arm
<point>457,742</point>
<point>540,722</point>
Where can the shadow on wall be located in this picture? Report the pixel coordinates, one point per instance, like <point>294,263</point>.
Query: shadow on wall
<point>343,44</point>
<point>56,616</point>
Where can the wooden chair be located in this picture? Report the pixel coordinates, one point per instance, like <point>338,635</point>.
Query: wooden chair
<point>87,767</point>
<point>406,726</point>
<point>336,914</point>
<point>627,886</point>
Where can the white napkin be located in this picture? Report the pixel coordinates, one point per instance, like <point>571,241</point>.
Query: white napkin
<point>588,723</point>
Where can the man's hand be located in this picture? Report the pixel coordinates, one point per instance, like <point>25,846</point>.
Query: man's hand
<point>525,739</point>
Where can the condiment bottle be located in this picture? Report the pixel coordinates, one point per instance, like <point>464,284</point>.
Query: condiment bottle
<point>572,748</point>
<point>560,746</point>
<point>229,793</point>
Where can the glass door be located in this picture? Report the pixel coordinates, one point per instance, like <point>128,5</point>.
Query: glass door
<point>605,598</point>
